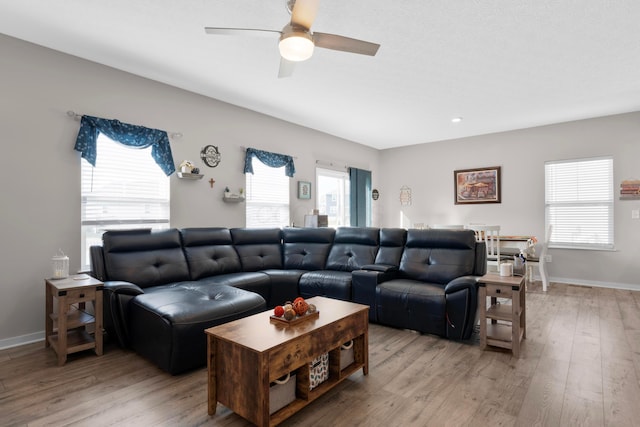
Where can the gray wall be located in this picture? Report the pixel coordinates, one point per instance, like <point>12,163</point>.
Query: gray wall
<point>428,170</point>
<point>40,176</point>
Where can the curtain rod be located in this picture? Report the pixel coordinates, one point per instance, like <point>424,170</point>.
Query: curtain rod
<point>76,116</point>
<point>243,148</point>
<point>330,164</point>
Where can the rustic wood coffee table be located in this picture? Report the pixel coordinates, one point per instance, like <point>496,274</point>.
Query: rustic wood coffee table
<point>246,355</point>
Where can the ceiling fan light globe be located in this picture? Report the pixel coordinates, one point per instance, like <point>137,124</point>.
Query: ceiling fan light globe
<point>296,47</point>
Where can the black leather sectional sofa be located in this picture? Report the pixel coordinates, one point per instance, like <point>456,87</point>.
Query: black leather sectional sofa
<point>162,289</point>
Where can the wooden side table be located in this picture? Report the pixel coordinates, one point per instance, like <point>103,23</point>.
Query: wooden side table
<point>66,326</point>
<point>508,325</point>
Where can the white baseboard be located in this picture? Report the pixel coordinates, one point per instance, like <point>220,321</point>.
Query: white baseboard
<point>597,284</point>
<point>21,340</point>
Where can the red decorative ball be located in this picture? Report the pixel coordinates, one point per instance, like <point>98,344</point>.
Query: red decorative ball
<point>300,306</point>
<point>278,311</point>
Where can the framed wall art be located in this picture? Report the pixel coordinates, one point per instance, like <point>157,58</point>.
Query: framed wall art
<point>304,190</point>
<point>481,185</point>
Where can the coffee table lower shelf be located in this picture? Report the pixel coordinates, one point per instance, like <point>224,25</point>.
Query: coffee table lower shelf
<point>311,395</point>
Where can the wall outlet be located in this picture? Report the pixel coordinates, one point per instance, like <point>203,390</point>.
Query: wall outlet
<point>635,214</point>
<point>548,258</point>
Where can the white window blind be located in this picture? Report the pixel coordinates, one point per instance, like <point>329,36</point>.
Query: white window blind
<point>126,189</point>
<point>579,203</point>
<point>267,196</point>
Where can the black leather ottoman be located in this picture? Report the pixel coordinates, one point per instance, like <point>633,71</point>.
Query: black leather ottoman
<point>168,322</point>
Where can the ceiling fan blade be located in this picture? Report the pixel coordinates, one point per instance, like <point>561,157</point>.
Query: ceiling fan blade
<point>345,44</point>
<point>304,12</point>
<point>286,68</point>
<point>240,31</point>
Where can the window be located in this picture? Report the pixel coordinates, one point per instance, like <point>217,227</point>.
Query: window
<point>127,189</point>
<point>579,203</point>
<point>332,196</point>
<point>267,196</point>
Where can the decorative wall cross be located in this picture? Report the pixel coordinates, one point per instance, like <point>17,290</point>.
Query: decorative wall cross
<point>211,182</point>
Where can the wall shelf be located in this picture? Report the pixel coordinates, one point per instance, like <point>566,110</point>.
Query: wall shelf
<point>185,175</point>
<point>233,199</point>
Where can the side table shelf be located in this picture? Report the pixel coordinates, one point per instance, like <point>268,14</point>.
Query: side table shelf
<point>69,328</point>
<point>502,324</point>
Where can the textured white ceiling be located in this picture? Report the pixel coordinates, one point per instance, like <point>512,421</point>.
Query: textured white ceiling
<point>501,65</point>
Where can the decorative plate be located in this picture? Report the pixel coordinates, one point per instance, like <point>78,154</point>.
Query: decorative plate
<point>210,156</point>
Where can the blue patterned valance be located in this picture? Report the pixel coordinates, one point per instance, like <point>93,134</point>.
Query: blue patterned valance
<point>131,135</point>
<point>273,160</point>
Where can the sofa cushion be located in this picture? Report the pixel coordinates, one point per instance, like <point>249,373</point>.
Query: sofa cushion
<point>353,247</point>
<point>168,322</point>
<point>392,242</point>
<point>146,259</point>
<point>438,256</point>
<point>209,252</point>
<point>326,283</point>
<point>284,285</point>
<point>306,248</point>
<point>250,281</point>
<point>258,248</point>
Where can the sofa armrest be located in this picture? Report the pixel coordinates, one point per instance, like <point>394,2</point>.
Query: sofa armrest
<point>97,263</point>
<point>117,295</point>
<point>480,267</point>
<point>462,301</point>
<point>363,288</point>
<point>460,283</point>
<point>384,268</point>
<point>123,288</point>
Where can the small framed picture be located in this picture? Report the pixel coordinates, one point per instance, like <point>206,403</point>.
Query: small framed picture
<point>304,190</point>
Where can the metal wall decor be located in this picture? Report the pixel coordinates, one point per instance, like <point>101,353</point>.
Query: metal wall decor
<point>210,156</point>
<point>375,194</point>
<point>405,196</point>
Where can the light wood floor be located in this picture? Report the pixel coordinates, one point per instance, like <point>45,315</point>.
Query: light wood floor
<point>580,366</point>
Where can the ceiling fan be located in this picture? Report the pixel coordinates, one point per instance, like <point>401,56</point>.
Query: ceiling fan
<point>297,40</point>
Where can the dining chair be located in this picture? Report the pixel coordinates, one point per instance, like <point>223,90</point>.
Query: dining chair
<point>490,235</point>
<point>537,256</point>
